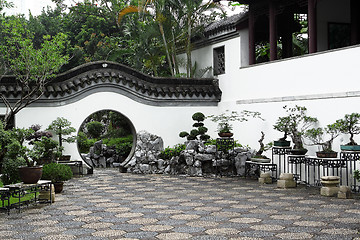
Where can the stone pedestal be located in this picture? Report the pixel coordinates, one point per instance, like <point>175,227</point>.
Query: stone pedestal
<point>265,178</point>
<point>345,192</point>
<point>286,181</point>
<point>46,194</point>
<point>330,186</point>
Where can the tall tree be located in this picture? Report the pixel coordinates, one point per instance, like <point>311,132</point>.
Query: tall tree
<point>32,67</point>
<point>158,8</point>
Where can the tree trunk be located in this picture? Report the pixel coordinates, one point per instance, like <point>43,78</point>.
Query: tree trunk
<point>188,50</point>
<point>166,48</point>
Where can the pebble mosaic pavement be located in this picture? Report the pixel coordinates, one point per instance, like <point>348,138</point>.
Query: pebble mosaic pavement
<point>113,205</point>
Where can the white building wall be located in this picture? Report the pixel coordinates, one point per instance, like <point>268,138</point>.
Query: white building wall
<point>325,83</point>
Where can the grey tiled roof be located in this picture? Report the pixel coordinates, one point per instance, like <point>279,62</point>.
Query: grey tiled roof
<point>113,77</point>
<point>226,23</point>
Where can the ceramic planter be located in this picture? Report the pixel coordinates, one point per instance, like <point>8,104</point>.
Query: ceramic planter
<point>350,147</point>
<point>261,160</point>
<point>326,154</point>
<point>302,151</point>
<point>280,143</point>
<point>30,175</point>
<point>58,187</point>
<point>225,134</point>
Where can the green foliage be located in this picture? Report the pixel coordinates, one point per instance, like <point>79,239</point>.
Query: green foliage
<point>296,122</point>
<point>169,152</point>
<point>357,175</point>
<point>10,173</point>
<point>84,143</point>
<point>62,127</point>
<point>56,172</point>
<point>95,129</point>
<point>46,148</point>
<point>122,145</point>
<point>316,136</point>
<point>350,124</point>
<point>199,130</point>
<point>198,116</point>
<point>224,119</point>
<point>32,66</point>
<point>183,134</point>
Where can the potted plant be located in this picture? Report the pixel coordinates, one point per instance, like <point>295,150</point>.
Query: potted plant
<point>223,120</point>
<point>199,129</point>
<point>62,128</point>
<point>15,150</point>
<point>316,136</point>
<point>57,173</point>
<point>350,124</point>
<point>259,157</point>
<point>45,149</point>
<point>282,125</point>
<point>298,122</point>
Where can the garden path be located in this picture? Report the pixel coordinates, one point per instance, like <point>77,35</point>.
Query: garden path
<point>113,205</point>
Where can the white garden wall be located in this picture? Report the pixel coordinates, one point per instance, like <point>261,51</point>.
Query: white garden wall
<point>166,122</point>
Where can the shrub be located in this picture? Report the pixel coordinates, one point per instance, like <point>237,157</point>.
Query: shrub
<point>199,129</point>
<point>10,172</point>
<point>122,145</point>
<point>169,152</point>
<point>94,129</point>
<point>56,172</point>
<point>84,143</point>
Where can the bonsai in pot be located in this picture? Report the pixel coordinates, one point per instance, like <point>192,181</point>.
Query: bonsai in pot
<point>350,124</point>
<point>282,125</point>
<point>62,128</point>
<point>224,120</point>
<point>57,173</point>
<point>298,122</point>
<point>18,153</point>
<point>199,128</point>
<point>259,157</point>
<point>15,149</point>
<point>316,136</point>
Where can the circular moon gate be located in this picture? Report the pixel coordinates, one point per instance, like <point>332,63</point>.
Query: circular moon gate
<point>106,138</point>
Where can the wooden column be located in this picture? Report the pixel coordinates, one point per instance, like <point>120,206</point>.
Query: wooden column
<point>312,32</point>
<point>355,22</point>
<point>287,46</point>
<point>272,31</point>
<point>252,58</point>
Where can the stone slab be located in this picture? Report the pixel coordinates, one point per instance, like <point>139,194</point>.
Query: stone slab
<point>329,191</point>
<point>286,183</point>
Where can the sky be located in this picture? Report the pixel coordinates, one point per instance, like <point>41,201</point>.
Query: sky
<point>36,6</point>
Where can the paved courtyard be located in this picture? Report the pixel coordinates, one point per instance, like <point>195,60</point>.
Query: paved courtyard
<point>113,205</point>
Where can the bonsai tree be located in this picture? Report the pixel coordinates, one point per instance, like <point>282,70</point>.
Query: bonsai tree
<point>62,128</point>
<point>350,124</point>
<point>263,148</point>
<point>199,129</point>
<point>297,123</point>
<point>224,119</point>
<point>283,125</point>
<point>316,136</point>
<point>44,147</point>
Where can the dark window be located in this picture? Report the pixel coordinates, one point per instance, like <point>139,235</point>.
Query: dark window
<point>339,35</point>
<point>219,60</point>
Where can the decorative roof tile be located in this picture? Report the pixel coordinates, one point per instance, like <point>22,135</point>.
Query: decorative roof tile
<point>94,77</point>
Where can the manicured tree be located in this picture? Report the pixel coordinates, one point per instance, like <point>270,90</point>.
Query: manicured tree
<point>62,127</point>
<point>199,129</point>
